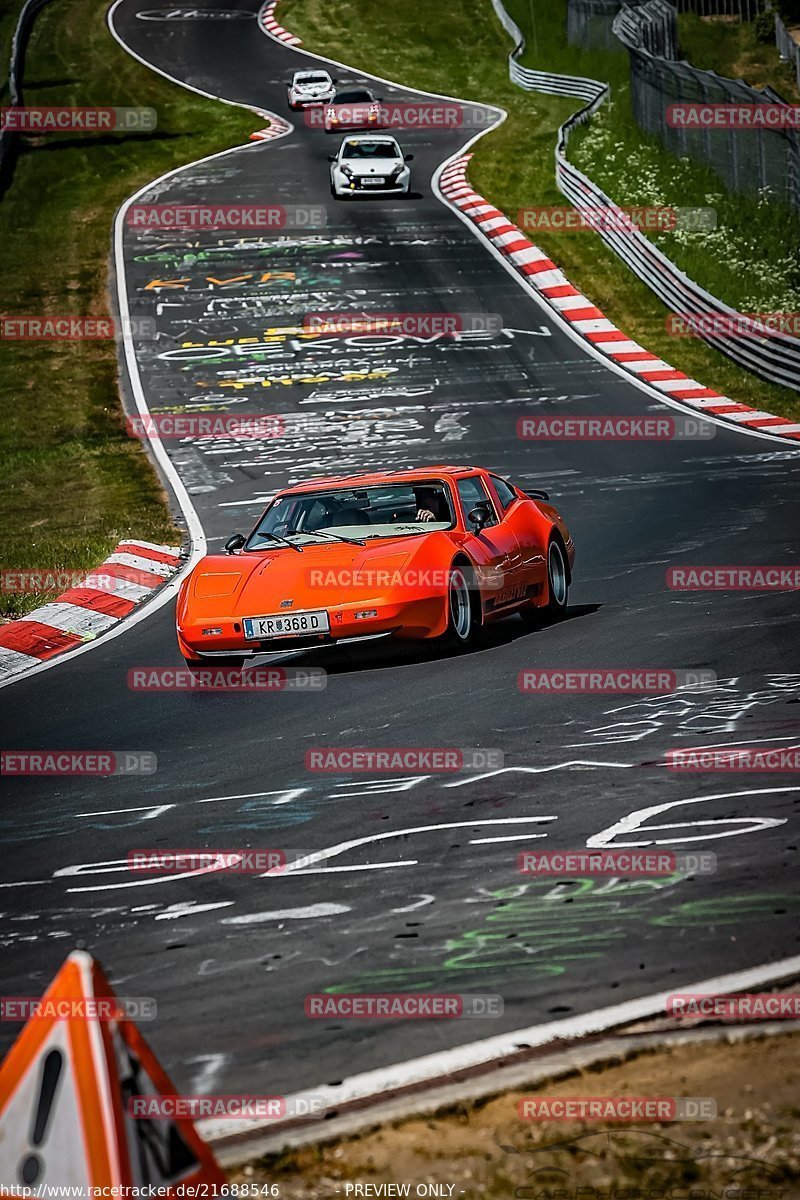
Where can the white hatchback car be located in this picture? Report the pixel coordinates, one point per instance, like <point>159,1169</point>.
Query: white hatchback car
<point>369,162</point>
<point>310,87</point>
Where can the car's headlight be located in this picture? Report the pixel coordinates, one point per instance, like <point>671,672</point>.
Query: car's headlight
<point>346,171</point>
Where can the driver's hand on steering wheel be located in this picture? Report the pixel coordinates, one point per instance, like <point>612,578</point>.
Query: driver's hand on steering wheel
<point>424,514</point>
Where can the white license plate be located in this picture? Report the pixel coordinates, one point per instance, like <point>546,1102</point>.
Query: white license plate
<point>374,181</point>
<point>298,624</point>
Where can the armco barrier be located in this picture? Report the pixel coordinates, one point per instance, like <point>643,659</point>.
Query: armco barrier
<point>19,44</point>
<point>747,160</point>
<point>776,358</point>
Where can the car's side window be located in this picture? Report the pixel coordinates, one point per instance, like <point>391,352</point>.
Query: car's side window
<point>471,492</point>
<point>505,494</point>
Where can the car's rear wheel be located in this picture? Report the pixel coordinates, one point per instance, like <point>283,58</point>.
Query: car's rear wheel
<point>462,609</point>
<point>557,588</point>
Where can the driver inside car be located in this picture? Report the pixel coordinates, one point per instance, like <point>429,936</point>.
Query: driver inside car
<point>431,504</point>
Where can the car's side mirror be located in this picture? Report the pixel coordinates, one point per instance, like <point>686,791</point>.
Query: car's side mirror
<point>408,157</point>
<point>235,542</point>
<point>479,516</point>
<point>331,158</point>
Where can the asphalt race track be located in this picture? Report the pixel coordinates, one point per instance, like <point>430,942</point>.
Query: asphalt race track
<point>425,899</point>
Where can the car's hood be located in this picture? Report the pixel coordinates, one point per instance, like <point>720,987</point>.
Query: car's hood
<point>363,167</point>
<point>257,583</point>
<point>312,89</point>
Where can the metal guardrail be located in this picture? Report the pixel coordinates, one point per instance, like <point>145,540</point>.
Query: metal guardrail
<point>776,358</point>
<point>652,27</point>
<point>748,160</point>
<point>787,46</point>
<point>19,43</point>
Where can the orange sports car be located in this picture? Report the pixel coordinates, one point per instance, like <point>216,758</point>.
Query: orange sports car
<point>433,553</point>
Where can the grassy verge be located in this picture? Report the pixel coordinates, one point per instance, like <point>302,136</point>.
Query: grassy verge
<point>750,1149</point>
<point>71,481</point>
<point>733,49</point>
<point>462,50</point>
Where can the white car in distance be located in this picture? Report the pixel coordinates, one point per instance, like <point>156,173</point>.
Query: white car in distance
<point>369,163</point>
<point>310,87</point>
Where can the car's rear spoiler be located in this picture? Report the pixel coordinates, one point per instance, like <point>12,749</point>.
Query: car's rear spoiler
<point>536,494</point>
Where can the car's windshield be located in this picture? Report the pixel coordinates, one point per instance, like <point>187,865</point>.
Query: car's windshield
<point>312,79</point>
<point>370,150</point>
<point>381,511</point>
<point>352,97</point>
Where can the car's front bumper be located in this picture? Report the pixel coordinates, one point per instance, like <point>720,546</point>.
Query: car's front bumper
<point>308,102</point>
<point>356,187</point>
<point>417,617</point>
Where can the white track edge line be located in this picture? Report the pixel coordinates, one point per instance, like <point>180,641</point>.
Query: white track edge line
<point>437,1067</point>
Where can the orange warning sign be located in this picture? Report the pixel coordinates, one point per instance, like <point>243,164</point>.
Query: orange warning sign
<point>65,1087</point>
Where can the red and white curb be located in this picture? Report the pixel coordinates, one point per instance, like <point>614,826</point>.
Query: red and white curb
<point>267,19</point>
<point>132,574</point>
<point>277,128</point>
<point>588,320</point>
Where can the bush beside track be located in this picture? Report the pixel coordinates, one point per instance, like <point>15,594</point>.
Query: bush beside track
<point>461,50</point>
<point>72,483</point>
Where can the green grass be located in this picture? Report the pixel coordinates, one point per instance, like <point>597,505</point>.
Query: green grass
<point>71,481</point>
<point>733,49</point>
<point>460,49</point>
